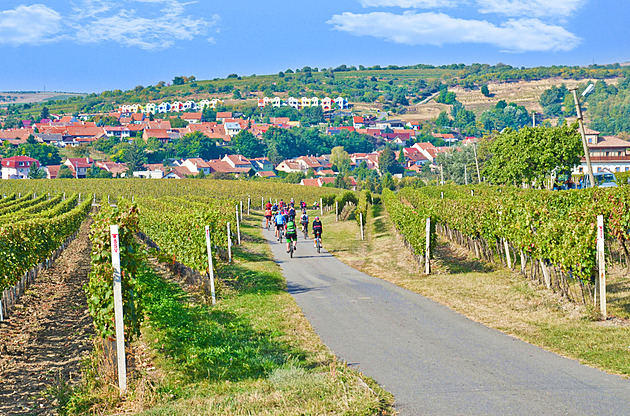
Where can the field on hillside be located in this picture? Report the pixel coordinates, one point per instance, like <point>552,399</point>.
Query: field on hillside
<point>18,97</point>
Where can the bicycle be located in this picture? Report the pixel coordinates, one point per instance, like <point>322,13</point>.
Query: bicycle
<point>290,248</point>
<point>305,231</point>
<point>318,242</point>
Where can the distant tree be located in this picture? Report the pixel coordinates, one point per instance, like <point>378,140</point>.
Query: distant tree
<point>178,81</point>
<point>178,123</point>
<point>135,157</point>
<point>528,155</point>
<point>387,162</point>
<point>36,172</point>
<point>340,159</point>
<point>45,113</point>
<point>246,144</point>
<point>64,172</point>
<point>485,90</point>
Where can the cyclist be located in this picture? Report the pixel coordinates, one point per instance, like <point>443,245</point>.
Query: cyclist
<point>304,221</point>
<point>280,221</point>
<point>268,214</point>
<point>291,212</point>
<point>274,209</point>
<point>317,231</point>
<point>291,234</point>
<point>292,203</point>
<point>268,205</point>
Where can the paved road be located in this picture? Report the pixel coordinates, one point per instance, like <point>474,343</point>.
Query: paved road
<point>435,361</point>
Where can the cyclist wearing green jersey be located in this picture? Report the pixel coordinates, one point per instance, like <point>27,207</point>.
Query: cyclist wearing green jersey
<point>291,234</point>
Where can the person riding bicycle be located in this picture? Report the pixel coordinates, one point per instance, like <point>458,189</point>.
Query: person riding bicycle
<point>274,209</point>
<point>292,203</point>
<point>268,215</point>
<point>268,205</point>
<point>280,221</point>
<point>291,212</point>
<point>304,221</point>
<point>291,234</point>
<point>317,231</point>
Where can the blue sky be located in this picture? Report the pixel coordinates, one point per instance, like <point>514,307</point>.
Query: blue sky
<point>96,45</point>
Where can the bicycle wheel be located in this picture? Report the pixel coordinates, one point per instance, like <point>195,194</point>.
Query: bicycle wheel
<point>290,248</point>
<point>319,245</point>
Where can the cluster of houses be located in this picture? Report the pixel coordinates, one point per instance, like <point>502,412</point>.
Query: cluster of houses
<point>326,103</point>
<point>70,131</point>
<point>166,107</point>
<point>18,167</point>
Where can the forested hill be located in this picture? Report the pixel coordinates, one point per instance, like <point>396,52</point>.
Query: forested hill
<point>398,90</point>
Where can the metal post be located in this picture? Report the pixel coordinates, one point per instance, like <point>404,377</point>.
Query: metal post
<point>601,266</point>
<point>238,228</point>
<point>587,154</point>
<point>427,249</point>
<point>229,238</point>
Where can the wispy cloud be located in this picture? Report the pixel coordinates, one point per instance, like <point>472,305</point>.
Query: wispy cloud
<point>515,35</point>
<point>408,4</point>
<point>548,9</point>
<point>531,25</point>
<point>29,24</point>
<point>146,24</point>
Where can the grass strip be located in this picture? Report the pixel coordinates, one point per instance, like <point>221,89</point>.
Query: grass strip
<point>252,353</point>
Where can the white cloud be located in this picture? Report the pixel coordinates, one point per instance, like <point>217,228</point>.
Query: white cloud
<point>147,24</point>
<point>515,35</point>
<point>408,4</point>
<point>29,24</point>
<point>129,29</point>
<point>547,9</point>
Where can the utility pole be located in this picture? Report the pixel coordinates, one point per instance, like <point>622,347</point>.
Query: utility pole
<point>587,154</point>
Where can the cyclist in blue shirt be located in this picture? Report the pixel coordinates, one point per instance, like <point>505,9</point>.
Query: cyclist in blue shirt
<point>280,221</point>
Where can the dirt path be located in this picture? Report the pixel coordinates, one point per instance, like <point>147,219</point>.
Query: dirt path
<point>46,336</point>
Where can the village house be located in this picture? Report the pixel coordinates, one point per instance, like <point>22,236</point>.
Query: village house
<point>18,167</point>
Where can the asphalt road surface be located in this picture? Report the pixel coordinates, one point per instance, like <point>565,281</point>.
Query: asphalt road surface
<point>436,361</point>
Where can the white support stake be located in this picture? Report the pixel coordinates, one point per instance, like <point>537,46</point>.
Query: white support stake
<point>238,228</point>
<point>1,313</point>
<point>336,211</point>
<point>210,266</point>
<point>118,310</point>
<point>241,214</point>
<point>262,202</point>
<point>321,207</point>
<point>361,221</point>
<point>427,250</point>
<point>229,238</point>
<point>249,203</point>
<point>601,266</point>
<point>507,253</point>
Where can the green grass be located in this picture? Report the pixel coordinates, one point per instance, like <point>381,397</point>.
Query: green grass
<point>252,353</point>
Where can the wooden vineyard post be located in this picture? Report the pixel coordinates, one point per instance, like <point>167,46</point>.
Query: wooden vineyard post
<point>427,250</point>
<point>118,310</point>
<point>229,240</point>
<point>361,222</point>
<point>601,265</point>
<point>238,228</point>
<point>210,266</point>
<point>336,211</point>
